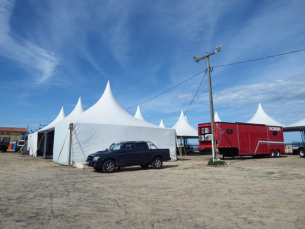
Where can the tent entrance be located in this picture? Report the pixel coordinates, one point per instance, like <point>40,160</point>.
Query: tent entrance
<point>45,144</point>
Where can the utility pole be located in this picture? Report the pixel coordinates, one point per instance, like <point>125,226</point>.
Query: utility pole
<point>197,59</point>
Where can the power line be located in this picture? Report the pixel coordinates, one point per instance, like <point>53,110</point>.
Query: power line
<point>168,89</point>
<point>196,93</point>
<point>223,65</point>
<point>194,96</point>
<point>261,58</point>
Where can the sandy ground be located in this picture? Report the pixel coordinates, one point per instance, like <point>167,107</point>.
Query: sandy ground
<point>247,193</point>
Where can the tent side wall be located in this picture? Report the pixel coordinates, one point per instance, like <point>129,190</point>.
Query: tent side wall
<point>32,143</point>
<point>61,144</point>
<point>90,138</point>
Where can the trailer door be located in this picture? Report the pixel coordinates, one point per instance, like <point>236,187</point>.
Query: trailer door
<point>244,143</point>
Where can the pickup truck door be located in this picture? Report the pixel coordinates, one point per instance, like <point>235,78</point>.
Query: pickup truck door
<point>143,153</point>
<point>127,155</point>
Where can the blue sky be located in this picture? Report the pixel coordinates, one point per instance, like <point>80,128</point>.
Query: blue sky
<point>53,52</point>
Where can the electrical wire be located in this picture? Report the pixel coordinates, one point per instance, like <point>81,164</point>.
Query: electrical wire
<point>194,96</point>
<point>261,58</point>
<point>196,92</point>
<point>167,90</point>
<point>223,65</point>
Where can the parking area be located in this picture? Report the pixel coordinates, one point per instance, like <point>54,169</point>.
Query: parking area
<point>246,193</point>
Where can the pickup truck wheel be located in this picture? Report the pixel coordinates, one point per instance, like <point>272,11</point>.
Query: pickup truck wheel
<point>144,166</point>
<point>109,166</point>
<point>302,152</point>
<point>157,163</point>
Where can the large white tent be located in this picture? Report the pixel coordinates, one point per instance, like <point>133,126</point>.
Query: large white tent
<point>260,117</point>
<point>183,128</point>
<point>104,123</point>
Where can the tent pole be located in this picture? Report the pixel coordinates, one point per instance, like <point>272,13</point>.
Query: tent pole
<point>70,145</point>
<point>45,145</point>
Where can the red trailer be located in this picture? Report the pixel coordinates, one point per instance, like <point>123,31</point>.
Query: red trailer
<point>243,139</point>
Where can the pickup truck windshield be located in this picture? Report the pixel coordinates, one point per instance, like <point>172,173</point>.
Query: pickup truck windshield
<point>115,147</point>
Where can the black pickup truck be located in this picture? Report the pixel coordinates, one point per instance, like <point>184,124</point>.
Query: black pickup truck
<point>128,154</point>
<point>4,143</point>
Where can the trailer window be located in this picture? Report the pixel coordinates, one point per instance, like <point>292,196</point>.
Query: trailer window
<point>229,131</point>
<point>205,130</point>
<point>274,133</point>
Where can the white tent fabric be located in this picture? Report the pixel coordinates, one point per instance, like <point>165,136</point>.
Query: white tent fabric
<point>59,118</point>
<point>32,143</point>
<point>139,115</point>
<point>77,111</point>
<point>183,128</point>
<point>299,123</point>
<point>260,117</point>
<point>32,138</point>
<point>104,123</point>
<point>216,117</point>
<point>161,124</point>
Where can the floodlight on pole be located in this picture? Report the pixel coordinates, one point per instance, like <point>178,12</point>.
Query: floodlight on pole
<point>197,59</point>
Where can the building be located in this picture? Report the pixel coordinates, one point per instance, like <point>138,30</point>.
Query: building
<point>11,132</point>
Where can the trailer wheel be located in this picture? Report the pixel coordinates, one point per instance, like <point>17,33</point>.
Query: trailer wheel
<point>278,153</point>
<point>302,153</point>
<point>272,153</point>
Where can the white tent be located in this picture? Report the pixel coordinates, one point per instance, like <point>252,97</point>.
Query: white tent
<point>61,116</point>
<point>183,128</point>
<point>33,138</point>
<point>299,123</point>
<point>104,123</point>
<point>139,115</point>
<point>216,117</point>
<point>161,124</point>
<point>260,117</point>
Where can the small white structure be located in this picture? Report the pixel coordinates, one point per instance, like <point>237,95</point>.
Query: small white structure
<point>139,115</point>
<point>183,128</point>
<point>161,124</point>
<point>216,117</point>
<point>260,117</point>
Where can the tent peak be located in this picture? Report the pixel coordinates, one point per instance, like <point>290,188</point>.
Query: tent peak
<point>161,124</point>
<point>138,114</point>
<point>261,117</point>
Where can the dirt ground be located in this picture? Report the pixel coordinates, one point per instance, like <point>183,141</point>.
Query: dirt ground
<point>246,193</point>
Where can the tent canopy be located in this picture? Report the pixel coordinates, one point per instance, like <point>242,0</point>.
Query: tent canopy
<point>297,126</point>
<point>183,128</point>
<point>59,118</point>
<point>216,117</point>
<point>161,124</point>
<point>108,111</point>
<point>104,123</point>
<point>260,117</point>
<point>139,115</point>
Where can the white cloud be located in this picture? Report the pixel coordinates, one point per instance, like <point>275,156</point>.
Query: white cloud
<point>22,51</point>
<point>6,7</point>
